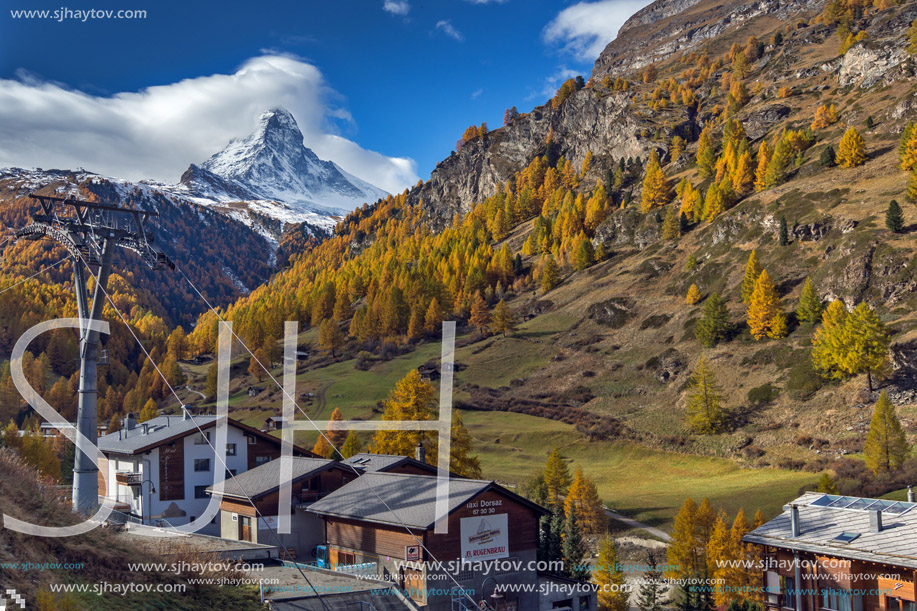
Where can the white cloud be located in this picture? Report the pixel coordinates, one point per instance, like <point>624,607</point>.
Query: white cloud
<point>486,1</point>
<point>155,133</point>
<point>476,94</point>
<point>446,27</point>
<point>552,83</point>
<point>397,7</point>
<point>586,28</point>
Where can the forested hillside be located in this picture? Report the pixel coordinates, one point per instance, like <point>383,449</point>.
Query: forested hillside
<point>658,228</point>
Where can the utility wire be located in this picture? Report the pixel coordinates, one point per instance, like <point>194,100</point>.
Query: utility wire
<point>38,273</point>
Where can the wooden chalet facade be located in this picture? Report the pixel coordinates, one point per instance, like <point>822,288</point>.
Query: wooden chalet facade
<point>839,553</point>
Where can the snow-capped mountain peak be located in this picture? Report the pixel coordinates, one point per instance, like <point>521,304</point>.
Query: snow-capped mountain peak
<point>273,164</point>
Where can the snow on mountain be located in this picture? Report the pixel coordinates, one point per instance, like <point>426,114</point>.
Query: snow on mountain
<point>274,171</point>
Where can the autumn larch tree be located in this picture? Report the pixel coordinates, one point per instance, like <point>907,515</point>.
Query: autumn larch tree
<point>847,344</point>
<point>764,308</point>
<point>607,574</point>
<point>886,446</point>
<point>462,462</point>
<point>433,319</point>
<point>322,447</point>
<point>585,253</point>
<point>583,500</point>
<point>413,398</point>
<point>657,191</point>
<point>503,320</point>
<point>550,274</point>
<point>255,369</point>
<point>907,149</point>
<point>336,436</point>
<point>752,271</point>
<point>671,224</point>
<point>480,315</point>
<point>705,412</point>
<point>693,295</point>
<point>210,385</point>
<point>851,152</point>
<point>556,475</point>
<point>714,323</point>
<point>148,412</point>
<point>352,445</point>
<point>810,306</point>
<point>330,336</point>
<point>683,556</point>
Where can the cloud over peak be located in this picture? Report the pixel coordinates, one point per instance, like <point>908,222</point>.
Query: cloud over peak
<point>156,132</point>
<point>396,7</point>
<point>586,28</point>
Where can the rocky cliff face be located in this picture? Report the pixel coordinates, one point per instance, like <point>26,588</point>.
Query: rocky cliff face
<point>594,120</point>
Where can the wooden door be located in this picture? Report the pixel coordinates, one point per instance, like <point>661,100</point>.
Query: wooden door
<point>245,528</point>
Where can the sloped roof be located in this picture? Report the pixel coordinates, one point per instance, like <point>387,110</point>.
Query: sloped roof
<point>371,463</point>
<point>265,478</point>
<point>821,525</point>
<point>159,430</point>
<point>402,499</point>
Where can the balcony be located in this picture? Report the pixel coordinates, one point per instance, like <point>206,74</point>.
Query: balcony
<point>127,478</point>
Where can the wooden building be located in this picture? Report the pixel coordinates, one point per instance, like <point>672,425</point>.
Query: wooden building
<point>839,553</point>
<point>249,503</point>
<point>383,524</point>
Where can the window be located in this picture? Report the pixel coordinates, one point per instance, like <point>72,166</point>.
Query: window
<point>563,604</point>
<point>788,592</point>
<point>260,460</point>
<point>251,439</point>
<point>584,603</point>
<point>200,492</point>
<point>230,449</point>
<point>229,473</point>
<point>347,558</point>
<point>202,439</point>
<point>201,464</point>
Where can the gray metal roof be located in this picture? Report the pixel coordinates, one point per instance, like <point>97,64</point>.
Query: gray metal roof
<point>399,499</point>
<point>376,462</point>
<point>819,527</point>
<point>265,478</point>
<point>158,429</point>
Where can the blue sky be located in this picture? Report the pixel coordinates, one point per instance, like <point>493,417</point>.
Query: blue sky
<point>401,78</point>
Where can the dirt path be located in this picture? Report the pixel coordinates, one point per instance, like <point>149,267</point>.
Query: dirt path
<point>656,532</point>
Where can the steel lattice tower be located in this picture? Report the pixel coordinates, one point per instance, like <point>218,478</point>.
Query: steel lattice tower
<point>90,232</point>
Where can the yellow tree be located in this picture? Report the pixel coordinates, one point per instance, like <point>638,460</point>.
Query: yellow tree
<point>693,295</point>
<point>322,447</point>
<point>763,307</point>
<point>148,412</point>
<point>886,446</point>
<point>583,500</point>
<point>503,320</point>
<point>719,555</point>
<point>704,403</point>
<point>869,341</point>
<point>690,202</point>
<point>609,577</point>
<point>851,152</point>
<point>907,151</point>
<point>433,319</point>
<point>764,159</point>
<point>556,475</point>
<point>657,191</point>
<point>744,179</point>
<point>683,556</point>
<point>352,445</point>
<point>830,342</point>
<point>411,399</point>
<point>336,435</point>
<point>480,315</point>
<point>752,271</point>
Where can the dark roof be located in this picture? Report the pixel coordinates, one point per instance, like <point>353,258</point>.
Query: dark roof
<point>265,478</point>
<point>163,429</point>
<point>371,463</point>
<point>159,430</point>
<point>821,525</point>
<point>403,499</point>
